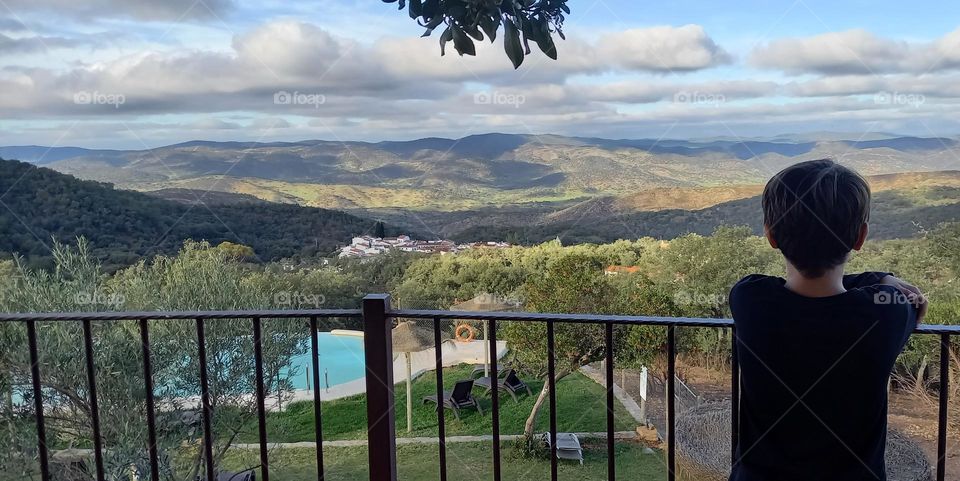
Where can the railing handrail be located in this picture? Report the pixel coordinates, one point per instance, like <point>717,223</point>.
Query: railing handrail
<point>377,317</point>
<point>407,313</point>
<point>172,315</point>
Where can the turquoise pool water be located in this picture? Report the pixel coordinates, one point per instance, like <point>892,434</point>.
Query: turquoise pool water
<point>341,361</point>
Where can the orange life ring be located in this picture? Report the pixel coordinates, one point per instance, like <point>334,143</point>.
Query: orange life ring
<point>465,337</point>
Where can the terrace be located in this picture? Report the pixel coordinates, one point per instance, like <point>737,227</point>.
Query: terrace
<point>377,318</point>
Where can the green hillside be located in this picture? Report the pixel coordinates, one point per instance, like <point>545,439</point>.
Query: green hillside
<point>38,205</point>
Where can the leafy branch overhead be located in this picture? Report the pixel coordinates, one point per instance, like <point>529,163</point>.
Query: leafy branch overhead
<point>466,21</point>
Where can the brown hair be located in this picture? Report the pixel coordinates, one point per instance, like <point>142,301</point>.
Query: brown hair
<point>814,211</point>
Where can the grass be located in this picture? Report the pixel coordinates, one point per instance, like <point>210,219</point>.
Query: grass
<point>466,462</point>
<point>581,407</point>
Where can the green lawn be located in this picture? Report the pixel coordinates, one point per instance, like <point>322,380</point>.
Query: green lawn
<point>466,461</point>
<point>580,408</point>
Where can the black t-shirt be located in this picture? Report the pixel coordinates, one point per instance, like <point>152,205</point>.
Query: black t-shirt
<point>814,371</point>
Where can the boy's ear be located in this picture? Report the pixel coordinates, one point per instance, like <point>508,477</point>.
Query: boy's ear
<point>769,236</point>
<point>864,231</point>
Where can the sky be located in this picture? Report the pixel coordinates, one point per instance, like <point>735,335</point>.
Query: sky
<point>133,74</point>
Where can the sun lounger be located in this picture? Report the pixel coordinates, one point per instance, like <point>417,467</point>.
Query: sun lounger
<point>510,383</point>
<point>457,399</point>
<point>568,446</point>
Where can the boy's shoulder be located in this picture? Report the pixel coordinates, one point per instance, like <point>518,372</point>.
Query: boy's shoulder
<point>755,282</point>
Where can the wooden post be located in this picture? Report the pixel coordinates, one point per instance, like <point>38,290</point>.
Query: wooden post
<point>381,418</point>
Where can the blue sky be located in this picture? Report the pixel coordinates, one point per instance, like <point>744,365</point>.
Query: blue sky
<point>144,73</point>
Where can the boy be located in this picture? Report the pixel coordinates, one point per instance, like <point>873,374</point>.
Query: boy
<point>816,349</point>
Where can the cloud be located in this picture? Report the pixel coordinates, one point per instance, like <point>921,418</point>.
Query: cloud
<point>858,52</point>
<point>662,49</point>
<point>299,57</point>
<point>40,44</point>
<point>151,10</point>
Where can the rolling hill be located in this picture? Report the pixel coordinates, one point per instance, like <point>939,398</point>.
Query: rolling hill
<point>904,205</point>
<point>474,172</point>
<point>40,205</point>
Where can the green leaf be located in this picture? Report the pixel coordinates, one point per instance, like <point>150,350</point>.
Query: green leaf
<point>511,43</point>
<point>446,37</point>
<point>490,26</point>
<point>544,39</point>
<point>462,42</point>
<point>416,8</point>
<point>475,32</point>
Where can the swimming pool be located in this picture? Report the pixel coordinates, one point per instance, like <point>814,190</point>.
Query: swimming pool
<point>341,361</point>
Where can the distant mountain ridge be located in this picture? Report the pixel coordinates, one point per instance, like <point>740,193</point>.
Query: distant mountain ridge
<point>475,171</point>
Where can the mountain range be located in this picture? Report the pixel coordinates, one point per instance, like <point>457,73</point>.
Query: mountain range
<point>527,188</point>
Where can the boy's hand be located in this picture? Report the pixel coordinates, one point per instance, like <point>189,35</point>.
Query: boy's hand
<point>912,293</point>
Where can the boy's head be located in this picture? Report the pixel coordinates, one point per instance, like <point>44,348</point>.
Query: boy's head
<point>816,212</point>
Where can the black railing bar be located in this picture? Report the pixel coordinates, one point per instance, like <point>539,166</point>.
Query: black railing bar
<point>261,399</point>
<point>94,403</point>
<point>608,364</point>
<point>734,398</point>
<point>317,418</point>
<point>605,318</point>
<point>409,313</point>
<point>162,315</point>
<point>148,392</point>
<point>942,413</point>
<point>569,318</point>
<point>495,400</point>
<point>205,401</point>
<point>42,451</point>
<point>552,386</point>
<point>441,421</point>
<point>671,403</point>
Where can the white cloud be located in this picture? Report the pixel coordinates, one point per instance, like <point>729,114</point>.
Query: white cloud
<point>139,9</point>
<point>662,49</point>
<point>858,52</point>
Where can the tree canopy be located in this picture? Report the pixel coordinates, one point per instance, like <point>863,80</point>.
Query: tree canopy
<point>466,21</point>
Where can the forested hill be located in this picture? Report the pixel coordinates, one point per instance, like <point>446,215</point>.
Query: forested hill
<point>38,205</point>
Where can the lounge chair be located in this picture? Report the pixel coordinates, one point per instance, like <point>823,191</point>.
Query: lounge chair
<point>480,370</point>
<point>510,383</point>
<point>568,446</point>
<point>457,399</point>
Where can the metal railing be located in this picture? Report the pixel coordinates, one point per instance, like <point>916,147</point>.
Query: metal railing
<point>377,316</point>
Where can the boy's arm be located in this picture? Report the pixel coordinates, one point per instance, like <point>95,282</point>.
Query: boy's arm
<point>853,281</point>
<point>912,293</point>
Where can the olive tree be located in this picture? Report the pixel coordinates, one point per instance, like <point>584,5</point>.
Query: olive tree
<point>199,278</point>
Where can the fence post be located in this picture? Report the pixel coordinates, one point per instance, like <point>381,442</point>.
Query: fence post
<point>381,417</point>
